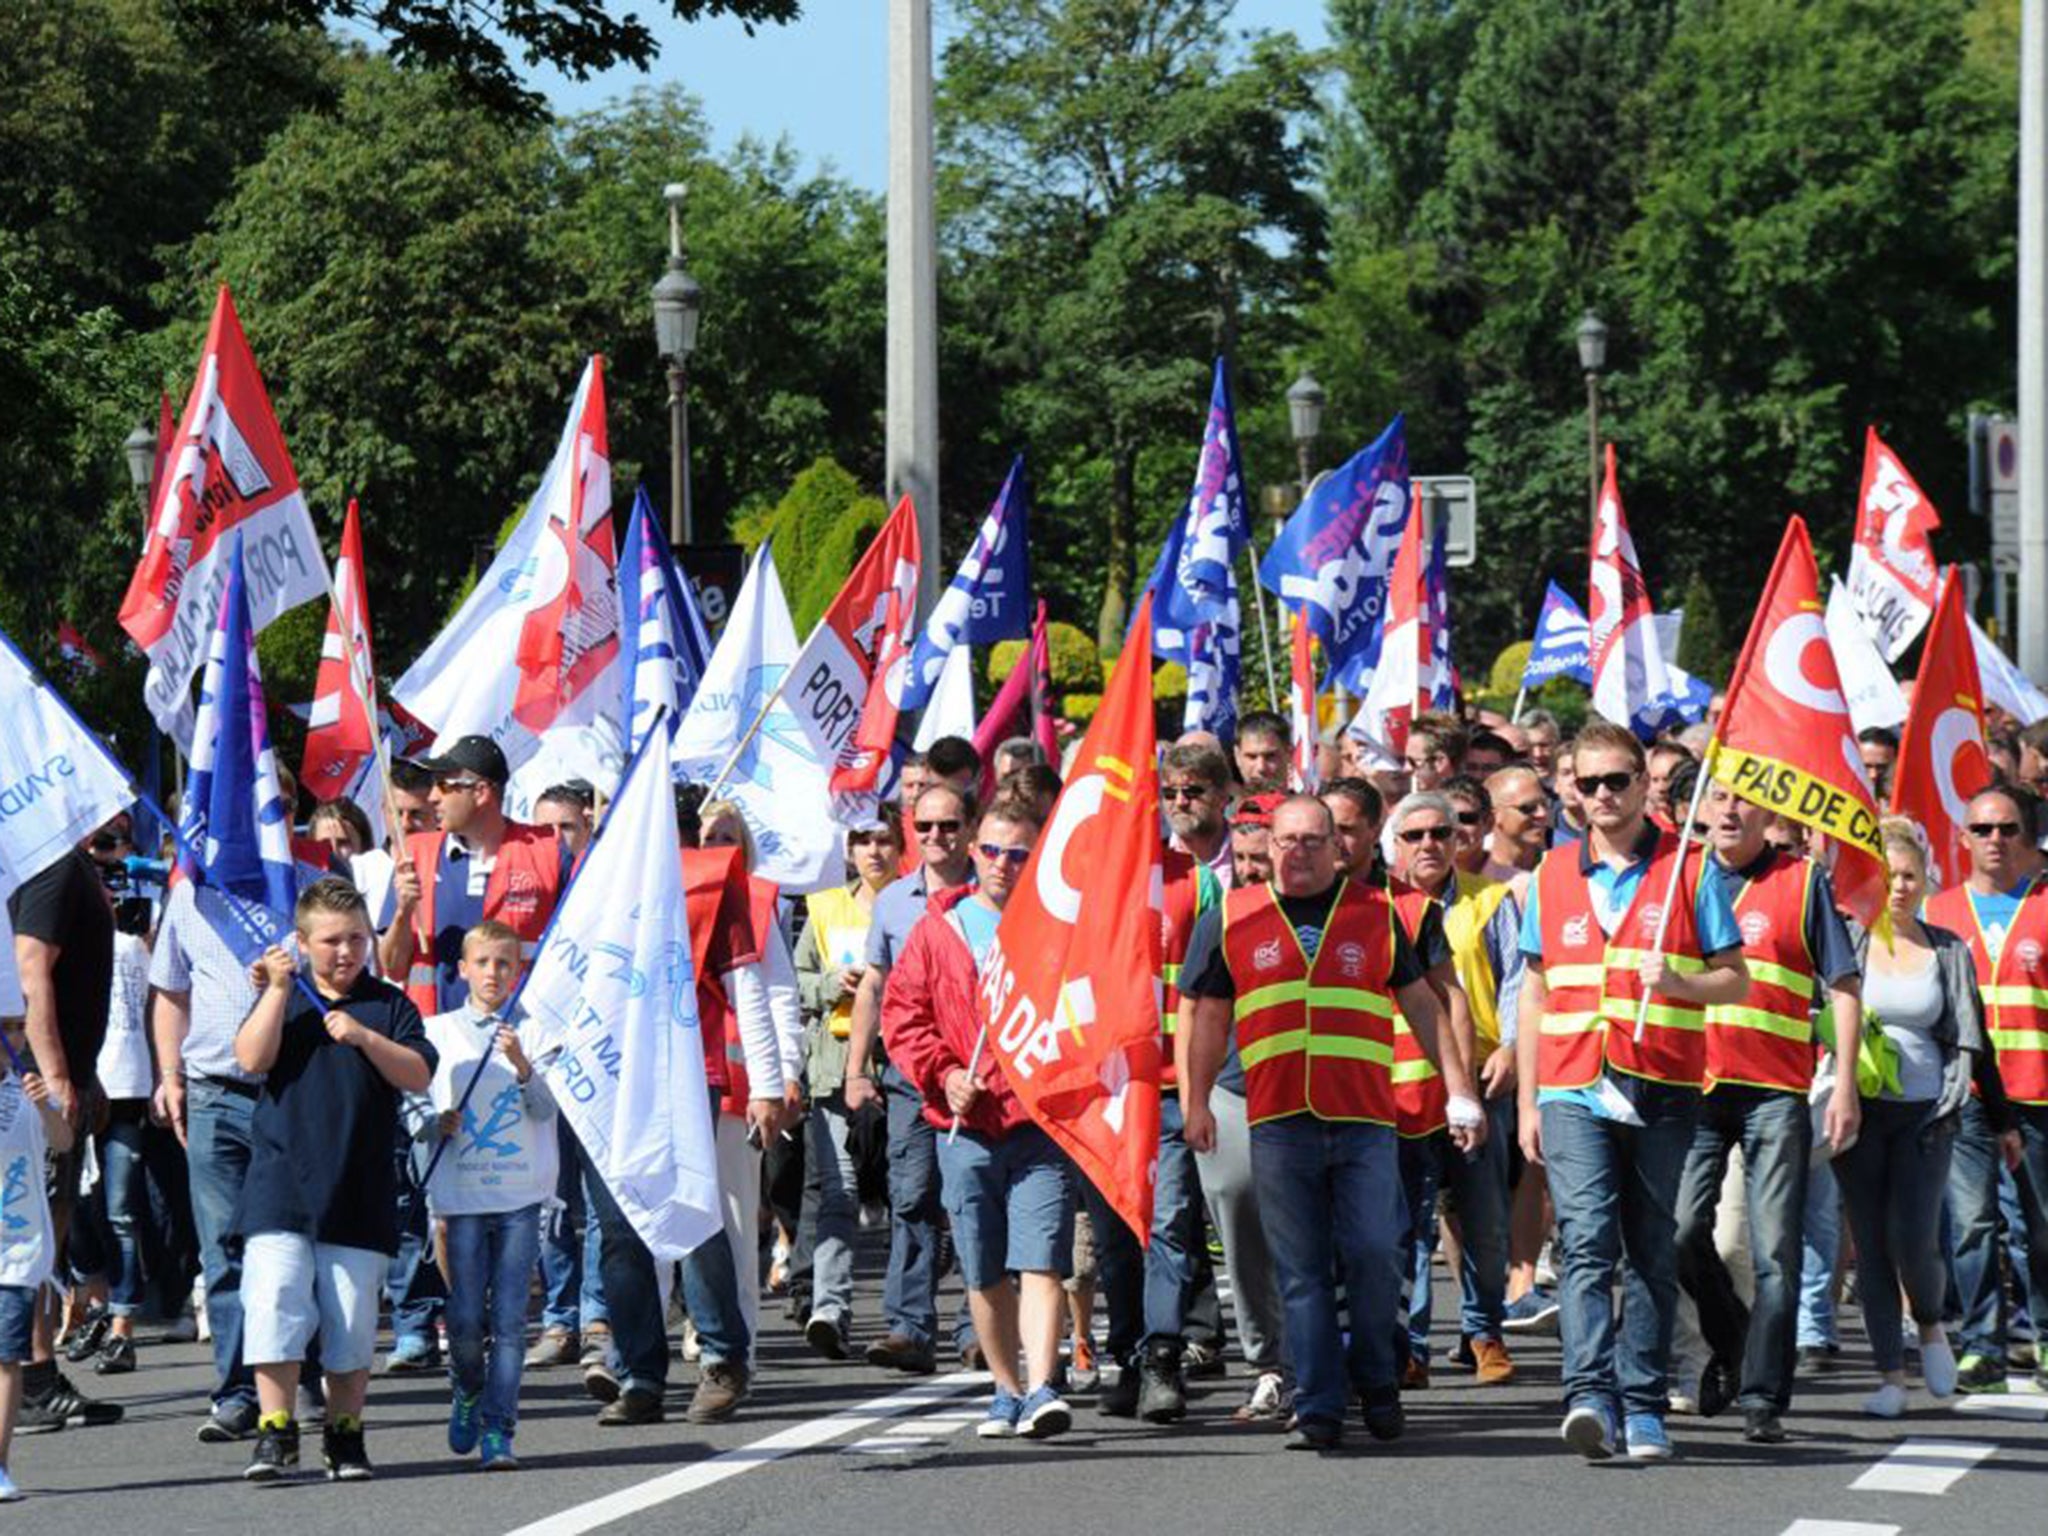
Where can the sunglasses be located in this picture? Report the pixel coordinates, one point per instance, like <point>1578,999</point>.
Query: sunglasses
<point>1534,807</point>
<point>457,786</point>
<point>1413,835</point>
<point>1014,857</point>
<point>1183,791</point>
<point>1468,818</point>
<point>1613,783</point>
<point>1994,829</point>
<point>926,828</point>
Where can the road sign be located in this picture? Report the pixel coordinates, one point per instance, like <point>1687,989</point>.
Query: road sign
<point>1451,496</point>
<point>2002,475</point>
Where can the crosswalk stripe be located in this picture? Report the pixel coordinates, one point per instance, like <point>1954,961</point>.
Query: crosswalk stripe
<point>1923,1466</point>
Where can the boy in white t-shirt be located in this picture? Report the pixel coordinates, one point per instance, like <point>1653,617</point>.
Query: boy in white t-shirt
<point>27,1242</point>
<point>496,1170</point>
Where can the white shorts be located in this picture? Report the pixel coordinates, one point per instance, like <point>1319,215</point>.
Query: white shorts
<point>292,1285</point>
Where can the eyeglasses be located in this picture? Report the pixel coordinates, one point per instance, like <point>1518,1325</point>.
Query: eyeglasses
<point>927,828</point>
<point>1994,829</point>
<point>1183,791</point>
<point>1533,808</point>
<point>1613,783</point>
<point>1014,857</point>
<point>1413,835</point>
<point>1468,818</point>
<point>1306,842</point>
<point>458,786</point>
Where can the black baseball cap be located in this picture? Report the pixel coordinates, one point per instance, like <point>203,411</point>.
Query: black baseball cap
<point>478,755</point>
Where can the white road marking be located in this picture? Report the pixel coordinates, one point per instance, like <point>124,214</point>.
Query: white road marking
<point>1923,1466</point>
<point>1838,1528</point>
<point>769,1448</point>
<point>2023,1400</point>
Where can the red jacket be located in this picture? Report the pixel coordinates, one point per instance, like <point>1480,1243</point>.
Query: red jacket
<point>931,1015</point>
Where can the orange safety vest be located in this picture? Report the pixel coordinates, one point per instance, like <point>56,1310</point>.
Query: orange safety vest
<point>1183,879</point>
<point>761,898</point>
<point>1766,1040</point>
<point>707,875</point>
<point>1420,1098</point>
<point>2015,986</point>
<point>1315,1037</point>
<point>520,891</point>
<point>1590,1017</point>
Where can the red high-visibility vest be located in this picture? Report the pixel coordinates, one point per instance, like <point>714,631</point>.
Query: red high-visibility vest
<point>1420,1099</point>
<point>520,892</point>
<point>1766,1040</point>
<point>2015,986</point>
<point>1183,877</point>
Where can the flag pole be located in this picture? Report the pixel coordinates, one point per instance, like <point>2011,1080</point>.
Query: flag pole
<point>1699,789</point>
<point>973,1061</point>
<point>1251,550</point>
<point>1521,697</point>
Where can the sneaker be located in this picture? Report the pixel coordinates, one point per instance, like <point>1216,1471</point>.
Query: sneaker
<point>411,1356</point>
<point>1646,1438</point>
<point>1161,1397</point>
<point>826,1335</point>
<point>1381,1407</point>
<point>1981,1374</point>
<point>555,1346</point>
<point>463,1427</point>
<point>597,1345</point>
<point>342,1453</point>
<point>599,1381</point>
<point>1760,1426</point>
<point>1001,1421</point>
<point>88,1336</point>
<point>1589,1430</point>
<point>1266,1401</point>
<point>720,1390</point>
<point>1534,1311</point>
<point>1119,1400</point>
<point>1200,1361</point>
<point>1938,1369</point>
<point>2023,1355</point>
<point>1718,1387</point>
<point>76,1409</point>
<point>230,1421</point>
<point>1314,1435</point>
<point>1887,1402</point>
<point>900,1352</point>
<point>632,1407</point>
<point>1546,1265</point>
<point>1083,1374</point>
<point>497,1452</point>
<point>117,1358</point>
<point>1043,1414</point>
<point>1815,1359</point>
<point>692,1348</point>
<point>9,1494</point>
<point>1493,1365</point>
<point>277,1452</point>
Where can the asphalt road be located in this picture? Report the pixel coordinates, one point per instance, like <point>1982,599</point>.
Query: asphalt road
<point>834,1448</point>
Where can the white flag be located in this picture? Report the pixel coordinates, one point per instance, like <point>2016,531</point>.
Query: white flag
<point>1873,694</point>
<point>614,995</point>
<point>2003,683</point>
<point>781,779</point>
<point>950,711</point>
<point>56,781</point>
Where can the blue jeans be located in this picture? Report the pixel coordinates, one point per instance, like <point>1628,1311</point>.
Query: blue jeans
<point>572,1283</point>
<point>1973,1201</point>
<point>838,1208</point>
<point>1146,1291</point>
<point>2019,1324</point>
<point>1615,1188</point>
<point>490,1264</point>
<point>412,1284</point>
<point>910,1289</point>
<point>1330,1201</point>
<point>1775,1131</point>
<point>1820,1251</point>
<point>1479,1193</point>
<point>127,1203</point>
<point>217,1156</point>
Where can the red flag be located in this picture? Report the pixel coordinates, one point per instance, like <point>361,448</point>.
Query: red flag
<point>1398,687</point>
<point>1785,739</point>
<point>166,435</point>
<point>571,635</point>
<point>1070,985</point>
<point>1942,762</point>
<point>847,686</point>
<point>75,650</point>
<point>1892,574</point>
<point>1042,730</point>
<point>1630,678</point>
<point>1301,703</point>
<point>229,470</point>
<point>341,732</point>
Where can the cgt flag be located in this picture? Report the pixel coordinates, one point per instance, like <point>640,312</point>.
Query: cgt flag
<point>1942,760</point>
<point>1632,686</point>
<point>341,732</point>
<point>229,472</point>
<point>1070,990</point>
<point>1892,574</point>
<point>1786,741</point>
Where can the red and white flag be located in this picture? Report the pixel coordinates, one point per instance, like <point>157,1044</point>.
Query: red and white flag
<point>1631,681</point>
<point>847,686</point>
<point>1070,986</point>
<point>1301,703</point>
<point>228,472</point>
<point>1892,574</point>
<point>76,650</point>
<point>1401,678</point>
<point>1786,740</point>
<point>533,652</point>
<point>1942,761</point>
<point>341,732</point>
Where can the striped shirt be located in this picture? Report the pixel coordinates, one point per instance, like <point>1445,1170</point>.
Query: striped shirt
<point>194,954</point>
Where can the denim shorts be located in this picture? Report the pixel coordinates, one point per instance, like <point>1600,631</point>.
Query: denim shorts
<point>292,1286</point>
<point>17,1322</point>
<point>1012,1204</point>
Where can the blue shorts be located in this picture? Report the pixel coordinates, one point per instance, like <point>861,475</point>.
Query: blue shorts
<point>17,1322</point>
<point>1012,1204</point>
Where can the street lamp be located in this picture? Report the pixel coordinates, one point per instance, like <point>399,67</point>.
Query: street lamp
<point>1305,414</point>
<point>139,448</point>
<point>677,299</point>
<point>1593,358</point>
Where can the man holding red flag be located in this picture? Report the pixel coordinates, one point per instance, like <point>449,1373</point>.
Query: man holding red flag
<point>1942,759</point>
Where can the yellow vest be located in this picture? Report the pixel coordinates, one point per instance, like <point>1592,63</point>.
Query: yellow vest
<point>1465,923</point>
<point>840,927</point>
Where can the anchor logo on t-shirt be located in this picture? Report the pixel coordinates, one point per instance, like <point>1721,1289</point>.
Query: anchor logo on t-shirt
<point>12,1193</point>
<point>505,1113</point>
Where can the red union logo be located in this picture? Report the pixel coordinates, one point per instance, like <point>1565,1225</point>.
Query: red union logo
<point>1351,960</point>
<point>1267,956</point>
<point>1577,930</point>
<point>1756,927</point>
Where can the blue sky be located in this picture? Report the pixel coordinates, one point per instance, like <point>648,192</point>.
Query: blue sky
<point>821,82</point>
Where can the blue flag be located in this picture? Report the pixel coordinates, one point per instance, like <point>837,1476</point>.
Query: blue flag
<point>236,834</point>
<point>1195,615</point>
<point>1562,646</point>
<point>1332,559</point>
<point>989,598</point>
<point>663,645</point>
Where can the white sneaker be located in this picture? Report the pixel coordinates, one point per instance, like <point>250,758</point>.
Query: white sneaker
<point>1938,1369</point>
<point>1887,1402</point>
<point>9,1494</point>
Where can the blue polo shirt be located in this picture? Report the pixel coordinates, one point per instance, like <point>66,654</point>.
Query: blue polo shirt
<point>460,880</point>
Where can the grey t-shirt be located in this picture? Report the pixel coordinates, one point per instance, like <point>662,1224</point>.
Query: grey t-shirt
<point>1908,1006</point>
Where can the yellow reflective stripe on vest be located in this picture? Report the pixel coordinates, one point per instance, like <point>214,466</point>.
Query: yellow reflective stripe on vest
<point>1355,999</point>
<point>2019,1039</point>
<point>1785,1027</point>
<point>1416,1071</point>
<point>1632,959</point>
<point>1591,975</point>
<point>2000,995</point>
<point>1798,983</point>
<point>1570,1023</point>
<point>1291,1042</point>
<point>1666,1015</point>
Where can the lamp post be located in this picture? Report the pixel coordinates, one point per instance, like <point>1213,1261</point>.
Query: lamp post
<point>1592,358</point>
<point>677,299</point>
<point>139,449</point>
<point>1305,400</point>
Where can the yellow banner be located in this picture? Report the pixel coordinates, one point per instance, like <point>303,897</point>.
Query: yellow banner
<point>1790,792</point>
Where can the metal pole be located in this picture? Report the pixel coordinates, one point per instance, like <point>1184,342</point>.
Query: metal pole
<point>678,470</point>
<point>911,417</point>
<point>683,454</point>
<point>2033,361</point>
<point>1593,458</point>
